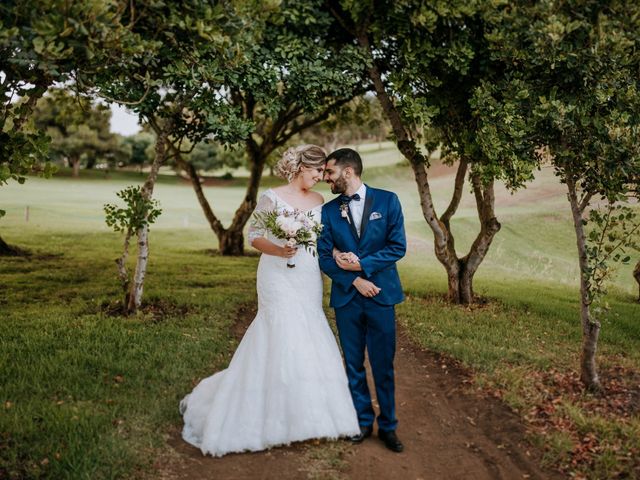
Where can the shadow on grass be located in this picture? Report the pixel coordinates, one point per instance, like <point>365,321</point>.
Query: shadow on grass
<point>214,252</point>
<point>154,310</point>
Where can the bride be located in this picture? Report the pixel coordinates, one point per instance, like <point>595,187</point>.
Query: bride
<point>286,381</point>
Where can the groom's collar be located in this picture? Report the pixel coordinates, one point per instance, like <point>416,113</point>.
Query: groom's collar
<point>362,191</point>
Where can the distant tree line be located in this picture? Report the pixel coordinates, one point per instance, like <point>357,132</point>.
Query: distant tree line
<point>79,130</point>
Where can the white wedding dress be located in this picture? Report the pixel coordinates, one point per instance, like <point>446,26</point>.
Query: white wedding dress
<point>286,381</point>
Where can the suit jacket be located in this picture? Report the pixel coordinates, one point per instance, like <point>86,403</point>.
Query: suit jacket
<point>380,245</point>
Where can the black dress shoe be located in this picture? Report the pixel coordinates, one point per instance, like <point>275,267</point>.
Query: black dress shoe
<point>391,440</point>
<point>364,433</point>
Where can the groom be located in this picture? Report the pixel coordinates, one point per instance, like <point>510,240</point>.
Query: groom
<point>362,239</point>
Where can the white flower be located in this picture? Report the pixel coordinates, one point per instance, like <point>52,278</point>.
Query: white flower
<point>294,228</point>
<point>283,220</point>
<point>344,212</point>
<point>289,225</point>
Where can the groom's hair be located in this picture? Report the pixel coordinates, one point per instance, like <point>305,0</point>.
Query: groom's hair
<point>347,157</point>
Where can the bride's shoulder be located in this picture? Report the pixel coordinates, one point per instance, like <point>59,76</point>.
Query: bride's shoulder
<point>267,199</point>
<point>269,193</point>
<point>317,197</point>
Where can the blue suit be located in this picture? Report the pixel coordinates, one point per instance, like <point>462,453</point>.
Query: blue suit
<point>367,322</point>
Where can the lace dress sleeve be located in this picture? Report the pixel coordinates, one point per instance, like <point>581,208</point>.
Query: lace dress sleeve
<point>265,204</point>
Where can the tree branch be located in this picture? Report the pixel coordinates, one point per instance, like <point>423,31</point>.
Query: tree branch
<point>282,137</point>
<point>340,19</point>
<point>479,194</point>
<point>457,192</point>
<point>584,201</point>
<point>26,109</point>
<point>214,222</point>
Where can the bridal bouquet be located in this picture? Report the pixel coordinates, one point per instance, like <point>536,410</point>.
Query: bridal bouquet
<point>296,227</point>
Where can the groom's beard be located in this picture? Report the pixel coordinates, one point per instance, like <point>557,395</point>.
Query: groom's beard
<point>339,186</point>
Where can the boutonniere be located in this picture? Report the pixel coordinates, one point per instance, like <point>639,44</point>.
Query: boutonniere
<point>344,211</point>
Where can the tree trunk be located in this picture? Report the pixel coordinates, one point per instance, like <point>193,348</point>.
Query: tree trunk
<point>489,227</point>
<point>636,275</point>
<point>231,243</point>
<point>7,250</point>
<point>214,222</point>
<point>466,295</point>
<point>230,240</point>
<point>590,326</point>
<point>137,285</point>
<point>122,269</point>
<point>460,282</point>
<point>75,164</point>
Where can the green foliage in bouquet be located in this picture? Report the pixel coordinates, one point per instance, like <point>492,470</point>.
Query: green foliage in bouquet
<point>296,227</point>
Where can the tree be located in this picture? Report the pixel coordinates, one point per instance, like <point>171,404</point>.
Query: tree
<point>175,89</point>
<point>425,62</point>
<point>293,78</point>
<point>43,44</point>
<point>138,212</point>
<point>208,155</point>
<point>140,147</point>
<point>79,128</point>
<point>570,94</point>
<point>117,153</point>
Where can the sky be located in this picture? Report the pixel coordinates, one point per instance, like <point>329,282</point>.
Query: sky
<point>122,121</point>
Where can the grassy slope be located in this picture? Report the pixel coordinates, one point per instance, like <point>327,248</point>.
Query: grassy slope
<point>89,381</point>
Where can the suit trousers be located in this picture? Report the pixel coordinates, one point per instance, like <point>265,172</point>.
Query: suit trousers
<point>363,323</point>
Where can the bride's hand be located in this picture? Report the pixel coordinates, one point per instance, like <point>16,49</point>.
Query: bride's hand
<point>345,256</point>
<point>288,252</point>
<point>350,257</point>
<point>346,262</point>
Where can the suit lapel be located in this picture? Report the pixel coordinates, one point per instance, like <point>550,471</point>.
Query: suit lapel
<point>368,202</point>
<point>352,225</point>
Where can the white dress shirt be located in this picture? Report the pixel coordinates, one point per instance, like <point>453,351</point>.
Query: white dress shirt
<point>357,207</point>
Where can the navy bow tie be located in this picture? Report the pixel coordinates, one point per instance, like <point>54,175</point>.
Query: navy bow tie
<point>346,198</point>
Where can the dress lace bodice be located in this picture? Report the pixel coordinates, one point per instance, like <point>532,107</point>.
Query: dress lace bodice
<point>267,202</point>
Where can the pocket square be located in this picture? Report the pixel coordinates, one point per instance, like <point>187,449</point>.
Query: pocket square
<point>375,216</point>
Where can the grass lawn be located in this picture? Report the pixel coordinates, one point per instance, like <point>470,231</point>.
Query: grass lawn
<point>89,395</point>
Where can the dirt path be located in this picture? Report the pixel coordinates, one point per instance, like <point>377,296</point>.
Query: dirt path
<point>448,433</point>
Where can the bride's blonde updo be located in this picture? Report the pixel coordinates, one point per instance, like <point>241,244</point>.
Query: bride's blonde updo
<point>294,158</point>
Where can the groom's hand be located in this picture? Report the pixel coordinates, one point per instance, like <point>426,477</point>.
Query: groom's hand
<point>365,287</point>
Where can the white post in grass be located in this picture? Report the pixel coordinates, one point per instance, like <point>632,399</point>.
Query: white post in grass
<point>26,214</point>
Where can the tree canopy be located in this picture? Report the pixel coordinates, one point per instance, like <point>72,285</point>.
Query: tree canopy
<point>41,46</point>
